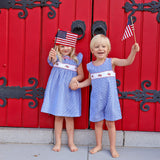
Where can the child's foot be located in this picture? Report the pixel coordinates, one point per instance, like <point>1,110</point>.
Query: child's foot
<point>56,148</point>
<point>95,149</point>
<point>73,147</point>
<point>114,154</point>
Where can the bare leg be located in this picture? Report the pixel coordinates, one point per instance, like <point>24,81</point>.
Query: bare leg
<point>58,133</point>
<point>98,133</point>
<point>70,133</point>
<point>112,138</point>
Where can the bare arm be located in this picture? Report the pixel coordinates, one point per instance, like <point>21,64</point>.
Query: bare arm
<point>129,60</point>
<point>85,83</point>
<point>75,84</point>
<point>80,73</point>
<point>79,77</point>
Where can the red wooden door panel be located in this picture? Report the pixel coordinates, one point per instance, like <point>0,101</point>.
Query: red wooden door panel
<point>149,64</point>
<point>31,62</point>
<point>132,79</point>
<point>157,126</point>
<point>26,44</point>
<point>16,34</point>
<point>145,66</point>
<point>3,59</point>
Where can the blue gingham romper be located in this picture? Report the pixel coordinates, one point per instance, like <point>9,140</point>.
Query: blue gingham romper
<point>59,99</point>
<point>104,101</point>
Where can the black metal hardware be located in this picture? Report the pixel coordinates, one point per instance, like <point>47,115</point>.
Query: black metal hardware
<point>99,27</point>
<point>143,95</point>
<point>23,4</point>
<point>79,28</point>
<point>153,7</point>
<point>21,92</point>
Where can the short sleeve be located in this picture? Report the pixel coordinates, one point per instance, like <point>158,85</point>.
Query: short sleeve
<point>79,57</point>
<point>88,67</point>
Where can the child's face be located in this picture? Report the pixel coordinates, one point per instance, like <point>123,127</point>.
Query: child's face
<point>100,49</point>
<point>65,50</point>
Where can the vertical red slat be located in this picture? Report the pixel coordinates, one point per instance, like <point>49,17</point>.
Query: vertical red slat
<point>157,126</point>
<point>3,59</point>
<point>31,62</point>
<point>101,10</point>
<point>149,44</point>
<point>66,14</point>
<point>116,29</point>
<point>84,13</point>
<point>16,64</point>
<point>132,78</point>
<point>49,30</point>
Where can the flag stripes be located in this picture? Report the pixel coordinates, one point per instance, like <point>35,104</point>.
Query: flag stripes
<point>128,30</point>
<point>66,38</point>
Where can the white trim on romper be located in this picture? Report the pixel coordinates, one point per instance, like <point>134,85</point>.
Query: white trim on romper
<point>103,74</point>
<point>65,66</point>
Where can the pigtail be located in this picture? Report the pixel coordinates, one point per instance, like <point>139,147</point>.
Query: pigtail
<point>73,56</point>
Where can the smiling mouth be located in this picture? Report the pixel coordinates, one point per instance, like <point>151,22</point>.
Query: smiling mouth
<point>101,53</point>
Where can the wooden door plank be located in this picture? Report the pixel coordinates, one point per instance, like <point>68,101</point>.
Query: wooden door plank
<point>16,65</point>
<point>149,47</point>
<point>157,125</point>
<point>132,79</point>
<point>3,60</point>
<point>84,13</point>
<point>31,62</point>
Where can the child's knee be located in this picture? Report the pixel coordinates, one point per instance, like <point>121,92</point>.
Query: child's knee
<point>99,124</point>
<point>58,118</point>
<point>110,124</point>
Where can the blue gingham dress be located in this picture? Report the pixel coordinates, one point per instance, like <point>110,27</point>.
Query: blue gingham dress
<point>104,101</point>
<point>59,99</point>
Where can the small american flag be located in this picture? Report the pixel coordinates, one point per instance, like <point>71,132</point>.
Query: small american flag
<point>66,38</point>
<point>129,30</point>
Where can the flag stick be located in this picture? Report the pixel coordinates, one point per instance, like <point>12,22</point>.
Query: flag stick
<point>133,30</point>
<point>55,38</point>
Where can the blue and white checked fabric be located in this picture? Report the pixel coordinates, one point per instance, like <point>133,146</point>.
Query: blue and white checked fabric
<point>104,101</point>
<point>59,99</point>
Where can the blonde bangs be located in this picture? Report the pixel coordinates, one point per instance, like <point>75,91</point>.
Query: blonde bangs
<point>72,54</point>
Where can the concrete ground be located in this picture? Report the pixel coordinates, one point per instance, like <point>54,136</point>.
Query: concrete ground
<point>12,151</point>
